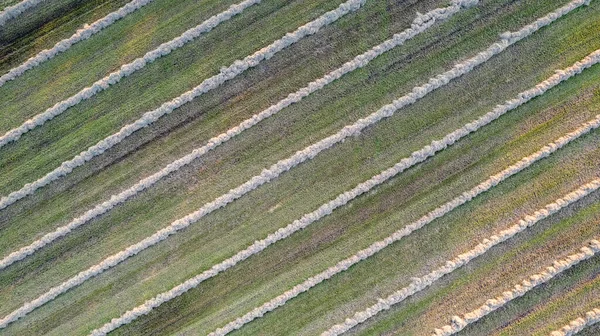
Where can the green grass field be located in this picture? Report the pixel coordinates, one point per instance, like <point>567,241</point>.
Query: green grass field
<point>369,218</point>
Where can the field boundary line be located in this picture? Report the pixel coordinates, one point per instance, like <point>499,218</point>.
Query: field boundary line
<point>114,77</point>
<point>81,34</point>
<point>225,74</point>
<point>420,24</point>
<point>591,317</point>
<point>558,266</point>
<point>308,153</point>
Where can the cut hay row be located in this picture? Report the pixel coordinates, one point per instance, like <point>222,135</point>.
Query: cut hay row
<point>419,284</point>
<point>125,70</point>
<point>84,33</point>
<point>209,84</point>
<point>420,24</point>
<point>558,266</point>
<point>12,12</point>
<point>591,317</point>
<point>396,236</point>
<point>285,165</point>
<point>269,174</point>
<point>228,73</point>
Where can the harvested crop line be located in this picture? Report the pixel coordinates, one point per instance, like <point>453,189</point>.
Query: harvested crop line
<point>592,317</point>
<point>12,12</point>
<point>420,24</point>
<point>284,165</point>
<point>396,236</point>
<point>81,34</point>
<point>558,266</point>
<point>116,76</point>
<point>236,68</point>
<point>325,209</point>
<point>211,83</point>
<point>419,284</point>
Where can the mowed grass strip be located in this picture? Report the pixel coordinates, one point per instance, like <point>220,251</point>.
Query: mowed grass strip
<point>190,140</point>
<point>81,34</point>
<point>90,60</point>
<point>37,31</point>
<point>509,263</point>
<point>149,157</point>
<point>546,308</point>
<point>458,323</point>
<point>232,71</point>
<point>153,95</point>
<point>418,26</point>
<point>14,11</point>
<point>196,245</point>
<point>270,264</point>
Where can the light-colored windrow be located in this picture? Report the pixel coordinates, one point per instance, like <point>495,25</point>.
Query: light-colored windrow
<point>420,24</point>
<point>81,34</point>
<point>419,284</point>
<point>428,218</point>
<point>12,12</point>
<point>558,266</point>
<point>238,66</point>
<point>592,317</point>
<point>116,76</point>
<point>296,159</point>
<point>268,175</point>
<point>211,83</point>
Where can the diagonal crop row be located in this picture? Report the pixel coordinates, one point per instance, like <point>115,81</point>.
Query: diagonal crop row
<point>207,85</point>
<point>591,317</point>
<point>309,153</point>
<point>125,70</point>
<point>419,284</point>
<point>228,73</point>
<point>286,164</point>
<point>13,11</point>
<point>558,266</point>
<point>84,33</point>
<point>420,24</point>
<point>396,236</point>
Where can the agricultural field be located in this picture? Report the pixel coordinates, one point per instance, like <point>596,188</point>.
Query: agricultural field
<point>300,167</point>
